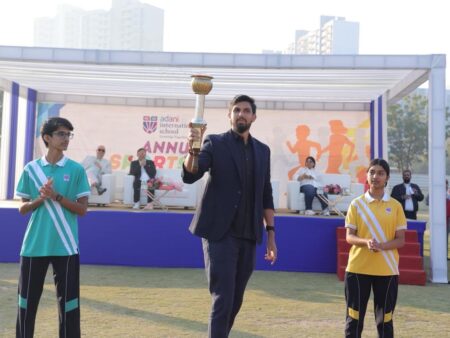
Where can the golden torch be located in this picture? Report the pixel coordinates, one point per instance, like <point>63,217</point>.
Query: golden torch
<point>201,85</point>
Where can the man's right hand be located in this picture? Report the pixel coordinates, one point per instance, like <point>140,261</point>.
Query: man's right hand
<point>195,134</point>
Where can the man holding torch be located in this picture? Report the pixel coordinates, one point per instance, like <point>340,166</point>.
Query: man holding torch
<point>236,202</point>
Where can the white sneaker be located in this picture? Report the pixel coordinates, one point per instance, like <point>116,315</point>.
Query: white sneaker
<point>309,213</point>
<point>326,212</point>
<point>136,205</point>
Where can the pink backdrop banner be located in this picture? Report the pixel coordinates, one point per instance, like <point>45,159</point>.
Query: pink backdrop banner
<point>340,141</point>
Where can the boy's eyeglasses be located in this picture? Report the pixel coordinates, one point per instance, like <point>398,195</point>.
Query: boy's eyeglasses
<point>102,150</point>
<point>63,134</point>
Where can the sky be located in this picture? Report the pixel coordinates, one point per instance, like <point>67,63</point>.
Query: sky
<point>245,26</point>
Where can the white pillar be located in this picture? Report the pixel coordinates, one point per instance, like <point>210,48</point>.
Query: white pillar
<point>4,153</point>
<point>20,141</point>
<point>385,127</point>
<point>436,169</point>
<point>376,127</point>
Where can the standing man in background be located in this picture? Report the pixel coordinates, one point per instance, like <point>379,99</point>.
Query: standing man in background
<point>408,194</point>
<point>231,214</point>
<point>55,190</point>
<point>143,170</point>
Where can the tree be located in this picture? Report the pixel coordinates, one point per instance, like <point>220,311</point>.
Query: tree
<point>407,131</point>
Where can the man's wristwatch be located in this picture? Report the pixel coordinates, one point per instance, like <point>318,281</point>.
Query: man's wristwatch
<point>58,197</point>
<point>270,228</point>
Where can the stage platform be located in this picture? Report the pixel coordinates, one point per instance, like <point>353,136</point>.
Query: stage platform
<point>154,238</point>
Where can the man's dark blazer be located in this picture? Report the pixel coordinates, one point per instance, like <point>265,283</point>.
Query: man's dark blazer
<point>399,191</point>
<point>220,155</point>
<point>135,170</point>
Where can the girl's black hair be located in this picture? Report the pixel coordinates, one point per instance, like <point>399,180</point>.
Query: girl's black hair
<point>382,163</point>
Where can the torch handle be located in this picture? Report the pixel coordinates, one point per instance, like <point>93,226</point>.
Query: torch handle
<point>196,145</point>
<point>194,163</point>
<point>199,107</point>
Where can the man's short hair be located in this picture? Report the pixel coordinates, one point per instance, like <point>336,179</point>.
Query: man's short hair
<point>140,149</point>
<point>243,98</point>
<point>52,124</point>
<point>407,171</point>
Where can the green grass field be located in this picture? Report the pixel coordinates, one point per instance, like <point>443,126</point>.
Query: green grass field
<point>147,302</point>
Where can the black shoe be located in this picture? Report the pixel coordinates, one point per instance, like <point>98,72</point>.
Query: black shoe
<point>101,190</point>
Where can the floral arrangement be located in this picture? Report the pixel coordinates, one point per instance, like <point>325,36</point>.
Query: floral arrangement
<point>158,183</point>
<point>154,183</point>
<point>333,189</point>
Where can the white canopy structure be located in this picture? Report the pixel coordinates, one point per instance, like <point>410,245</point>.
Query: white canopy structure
<point>282,82</point>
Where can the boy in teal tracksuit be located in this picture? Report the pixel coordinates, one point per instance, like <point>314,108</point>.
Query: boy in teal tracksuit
<point>55,190</point>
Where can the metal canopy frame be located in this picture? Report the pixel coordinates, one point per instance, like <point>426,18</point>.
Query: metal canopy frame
<point>277,82</point>
<point>162,78</point>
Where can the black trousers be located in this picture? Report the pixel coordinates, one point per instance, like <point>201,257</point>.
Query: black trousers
<point>410,214</point>
<point>229,263</point>
<point>310,192</point>
<point>357,293</point>
<point>137,192</point>
<point>66,274</point>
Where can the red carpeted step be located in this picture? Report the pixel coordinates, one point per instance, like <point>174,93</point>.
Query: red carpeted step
<point>410,249</point>
<point>340,232</point>
<point>342,259</point>
<point>410,262</point>
<point>413,277</point>
<point>411,236</point>
<point>409,277</point>
<point>410,265</point>
<point>342,245</point>
<point>406,262</point>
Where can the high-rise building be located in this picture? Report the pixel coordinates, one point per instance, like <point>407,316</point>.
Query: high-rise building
<point>128,25</point>
<point>335,36</point>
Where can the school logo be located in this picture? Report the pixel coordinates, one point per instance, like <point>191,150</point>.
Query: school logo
<point>388,210</point>
<point>66,178</point>
<point>150,123</point>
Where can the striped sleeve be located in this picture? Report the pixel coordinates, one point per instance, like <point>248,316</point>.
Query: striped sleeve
<point>402,224</point>
<point>350,219</point>
<point>23,187</point>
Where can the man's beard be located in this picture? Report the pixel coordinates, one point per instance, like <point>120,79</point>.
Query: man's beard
<point>406,180</point>
<point>240,128</point>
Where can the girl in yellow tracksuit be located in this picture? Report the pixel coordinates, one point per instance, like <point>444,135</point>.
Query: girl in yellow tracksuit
<point>376,227</point>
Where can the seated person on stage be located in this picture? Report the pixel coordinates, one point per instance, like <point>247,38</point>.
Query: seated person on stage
<point>140,175</point>
<point>307,177</point>
<point>95,167</point>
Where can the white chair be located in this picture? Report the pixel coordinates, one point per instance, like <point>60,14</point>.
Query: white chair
<point>186,198</point>
<point>276,193</point>
<point>296,199</point>
<point>108,182</point>
<point>119,177</point>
